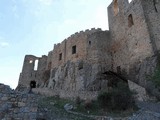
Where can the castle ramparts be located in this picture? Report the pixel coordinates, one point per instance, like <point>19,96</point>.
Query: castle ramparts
<point>79,62</point>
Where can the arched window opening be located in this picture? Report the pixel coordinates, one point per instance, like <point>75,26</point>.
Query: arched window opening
<point>115,7</point>
<point>130,20</point>
<point>36,65</point>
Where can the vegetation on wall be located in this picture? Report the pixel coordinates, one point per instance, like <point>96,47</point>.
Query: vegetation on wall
<point>155,77</point>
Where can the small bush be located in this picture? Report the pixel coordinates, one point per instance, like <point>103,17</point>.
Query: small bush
<point>119,98</point>
<point>78,100</point>
<point>88,104</point>
<point>104,99</point>
<point>156,77</point>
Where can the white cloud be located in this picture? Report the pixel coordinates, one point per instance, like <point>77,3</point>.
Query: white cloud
<point>4,44</point>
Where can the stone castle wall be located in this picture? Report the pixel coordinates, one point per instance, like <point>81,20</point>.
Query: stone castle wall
<point>79,62</point>
<point>17,106</point>
<point>88,55</point>
<point>78,71</point>
<point>29,72</point>
<point>151,10</point>
<point>65,49</point>
<point>83,95</point>
<point>130,41</point>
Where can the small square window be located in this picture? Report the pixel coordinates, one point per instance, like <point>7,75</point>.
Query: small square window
<point>60,56</point>
<point>74,49</point>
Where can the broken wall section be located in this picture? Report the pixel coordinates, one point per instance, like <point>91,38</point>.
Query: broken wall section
<point>33,68</point>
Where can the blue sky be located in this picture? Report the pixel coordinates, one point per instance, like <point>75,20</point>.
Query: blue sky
<point>34,26</point>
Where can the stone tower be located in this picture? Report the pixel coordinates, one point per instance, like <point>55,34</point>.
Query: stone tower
<point>135,40</point>
<point>134,28</point>
<point>31,71</point>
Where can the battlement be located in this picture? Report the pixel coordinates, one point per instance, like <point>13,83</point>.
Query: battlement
<point>83,33</point>
<point>78,34</point>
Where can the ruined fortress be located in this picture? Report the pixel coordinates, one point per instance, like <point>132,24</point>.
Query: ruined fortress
<point>78,66</point>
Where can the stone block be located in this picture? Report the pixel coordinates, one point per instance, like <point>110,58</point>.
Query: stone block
<point>21,104</point>
<point>34,109</point>
<point>4,98</point>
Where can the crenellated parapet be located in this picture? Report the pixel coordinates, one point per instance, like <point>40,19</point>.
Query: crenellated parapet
<point>79,34</point>
<point>83,33</point>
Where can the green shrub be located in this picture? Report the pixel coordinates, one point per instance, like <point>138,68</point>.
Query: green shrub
<point>119,98</point>
<point>156,77</point>
<point>78,100</point>
<point>104,99</point>
<point>88,104</point>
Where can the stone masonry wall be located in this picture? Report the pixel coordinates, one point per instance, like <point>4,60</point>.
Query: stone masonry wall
<point>130,35</point>
<point>152,15</point>
<point>17,106</point>
<point>84,95</point>
<point>49,60</point>
<point>65,48</point>
<point>80,73</point>
<point>73,72</point>
<point>118,43</point>
<point>138,36</point>
<point>29,73</point>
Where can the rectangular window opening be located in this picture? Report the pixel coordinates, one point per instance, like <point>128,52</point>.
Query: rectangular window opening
<point>130,20</point>
<point>74,49</point>
<point>60,56</point>
<point>36,65</point>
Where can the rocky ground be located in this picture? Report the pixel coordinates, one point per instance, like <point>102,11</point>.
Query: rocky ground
<point>148,111</point>
<point>25,106</point>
